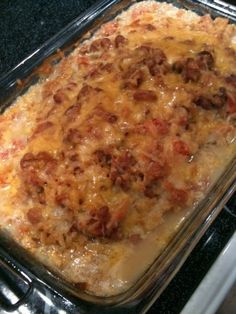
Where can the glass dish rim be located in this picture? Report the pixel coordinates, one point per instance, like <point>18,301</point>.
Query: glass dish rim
<point>43,53</point>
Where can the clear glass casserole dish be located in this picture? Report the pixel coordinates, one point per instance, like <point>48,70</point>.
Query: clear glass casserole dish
<point>153,281</point>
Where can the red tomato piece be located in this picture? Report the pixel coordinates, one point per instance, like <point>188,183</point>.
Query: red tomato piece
<point>231,105</point>
<point>178,196</point>
<point>181,148</point>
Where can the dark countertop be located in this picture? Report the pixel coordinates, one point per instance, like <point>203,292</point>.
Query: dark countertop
<point>24,26</point>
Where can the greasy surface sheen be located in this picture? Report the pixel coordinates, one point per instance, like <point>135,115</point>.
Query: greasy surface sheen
<point>101,162</point>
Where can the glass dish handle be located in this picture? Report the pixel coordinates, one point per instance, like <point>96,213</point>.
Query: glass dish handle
<point>15,286</point>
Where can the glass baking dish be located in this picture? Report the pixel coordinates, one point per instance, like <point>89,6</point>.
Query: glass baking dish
<point>150,285</point>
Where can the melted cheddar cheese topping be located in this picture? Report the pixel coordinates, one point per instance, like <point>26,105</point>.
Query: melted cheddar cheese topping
<point>102,161</point>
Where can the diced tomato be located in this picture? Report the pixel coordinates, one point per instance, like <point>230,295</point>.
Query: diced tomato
<point>140,11</point>
<point>23,228</point>
<point>155,170</point>
<point>231,105</point>
<point>157,126</point>
<point>179,196</point>
<point>2,118</point>
<point>161,125</point>
<point>149,127</point>
<point>119,215</point>
<point>181,147</point>
<point>121,211</point>
<point>17,145</point>
<point>109,28</point>
<point>3,179</point>
<point>5,154</point>
<point>183,121</point>
<point>83,60</point>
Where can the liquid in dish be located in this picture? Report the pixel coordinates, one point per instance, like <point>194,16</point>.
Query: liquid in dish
<point>101,162</point>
